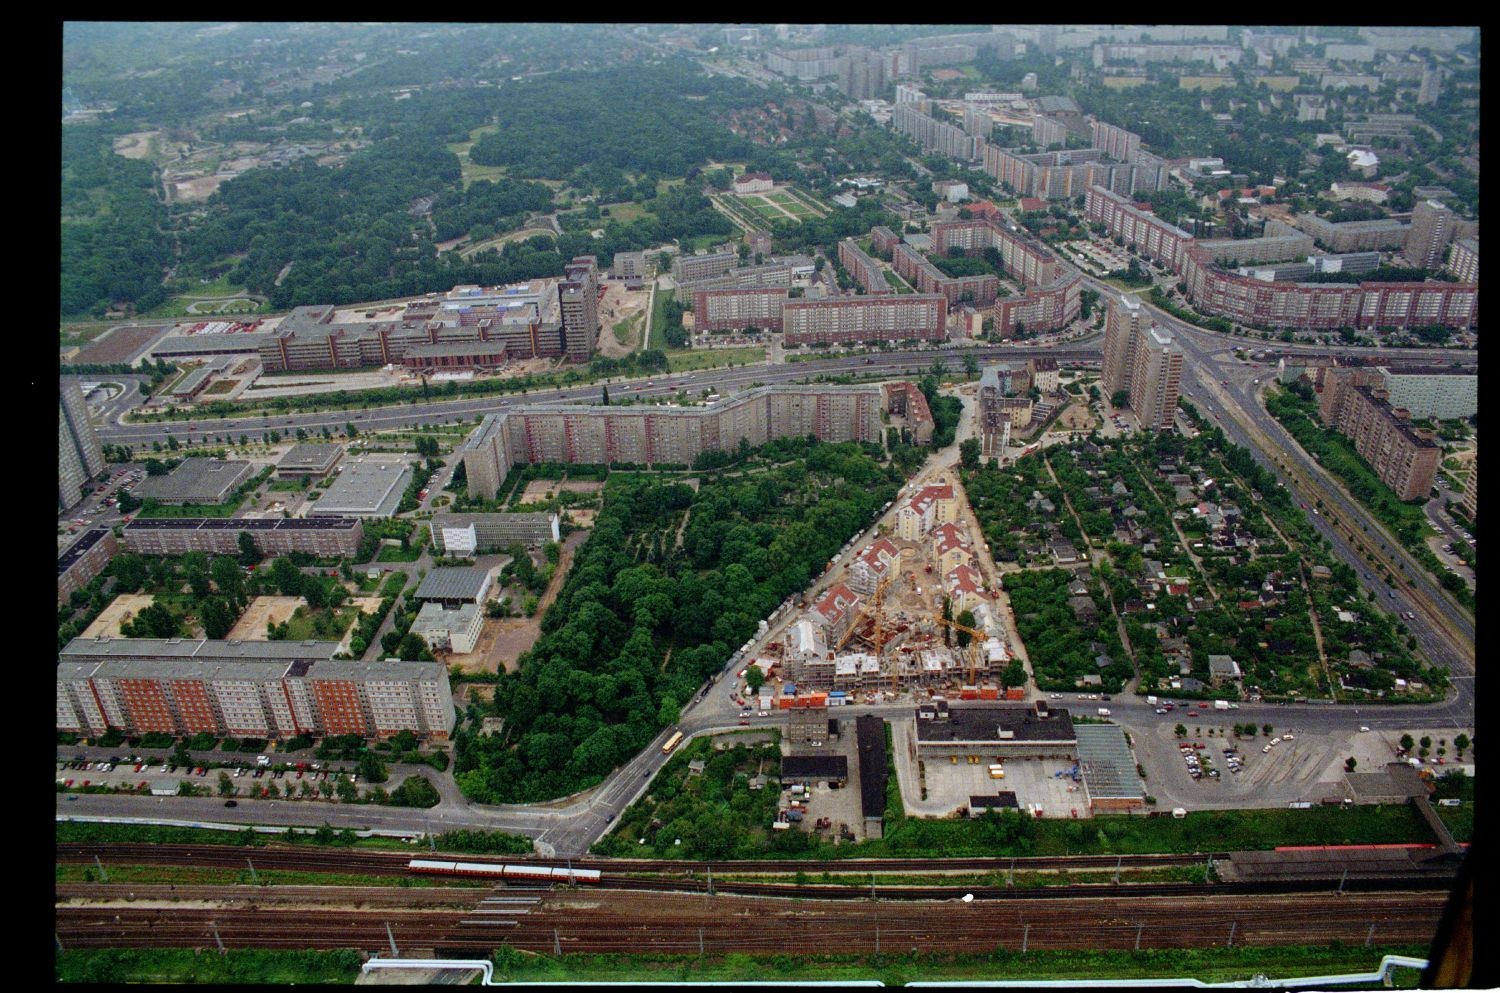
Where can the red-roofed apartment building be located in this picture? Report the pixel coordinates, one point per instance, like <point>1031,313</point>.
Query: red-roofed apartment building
<point>873,564</point>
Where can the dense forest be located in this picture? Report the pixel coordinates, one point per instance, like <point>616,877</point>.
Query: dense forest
<point>668,585</point>
<point>112,248</point>
<point>643,119</point>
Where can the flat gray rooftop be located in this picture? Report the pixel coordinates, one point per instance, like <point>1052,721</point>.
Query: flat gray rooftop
<point>365,488</point>
<point>196,480</point>
<point>1106,763</point>
<point>991,724</point>
<point>453,583</point>
<point>310,457</point>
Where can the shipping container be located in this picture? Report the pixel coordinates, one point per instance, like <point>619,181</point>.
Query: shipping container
<point>968,693</point>
<point>785,703</point>
<point>990,693</point>
<point>794,815</point>
<point>1015,693</point>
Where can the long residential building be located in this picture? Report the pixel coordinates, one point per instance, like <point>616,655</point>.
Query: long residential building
<point>83,560</point>
<point>1026,259</point>
<point>769,274</point>
<point>686,268</point>
<point>253,689</point>
<point>651,435</point>
<point>863,269</point>
<point>1327,305</point>
<point>1279,242</point>
<point>1354,236</point>
<point>1405,458</point>
<point>1042,308</point>
<point>1152,236</point>
<point>933,135</point>
<point>726,310</point>
<point>325,537</point>
<point>1438,392</point>
<point>1464,261</point>
<point>914,267</point>
<point>1070,172</point>
<point>866,319</point>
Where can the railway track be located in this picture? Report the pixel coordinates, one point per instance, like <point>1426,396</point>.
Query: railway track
<point>666,923</point>
<point>394,862</point>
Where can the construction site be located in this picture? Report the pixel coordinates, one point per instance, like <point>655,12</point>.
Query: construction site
<point>916,608</point>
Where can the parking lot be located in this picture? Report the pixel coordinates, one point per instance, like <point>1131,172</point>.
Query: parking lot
<point>130,773</point>
<point>950,784</point>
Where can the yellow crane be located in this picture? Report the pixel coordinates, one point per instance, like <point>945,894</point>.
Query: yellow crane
<point>871,610</point>
<point>975,639</point>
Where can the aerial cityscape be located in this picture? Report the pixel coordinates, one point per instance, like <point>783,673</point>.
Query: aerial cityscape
<point>713,503</point>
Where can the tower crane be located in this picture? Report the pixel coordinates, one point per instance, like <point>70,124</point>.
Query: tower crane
<point>975,639</point>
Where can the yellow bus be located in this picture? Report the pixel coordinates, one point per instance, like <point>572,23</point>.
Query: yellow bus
<point>671,742</point>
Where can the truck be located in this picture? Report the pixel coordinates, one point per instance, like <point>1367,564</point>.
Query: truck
<point>1221,704</point>
<point>1103,711</point>
<point>1151,700</point>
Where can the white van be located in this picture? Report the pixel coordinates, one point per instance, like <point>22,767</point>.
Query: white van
<point>1103,711</point>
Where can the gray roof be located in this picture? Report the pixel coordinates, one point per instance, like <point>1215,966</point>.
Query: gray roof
<point>196,480</point>
<point>75,551</point>
<point>365,488</point>
<point>1106,762</point>
<point>1223,665</point>
<point>200,649</point>
<point>453,583</point>
<point>311,457</point>
<point>985,724</point>
<point>435,618</point>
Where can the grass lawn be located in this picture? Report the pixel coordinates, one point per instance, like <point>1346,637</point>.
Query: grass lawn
<point>1204,964</point>
<point>658,338</point>
<point>624,212</point>
<point>709,358</point>
<point>395,553</point>
<point>220,287</point>
<point>303,624</point>
<point>627,332</point>
<point>194,510</point>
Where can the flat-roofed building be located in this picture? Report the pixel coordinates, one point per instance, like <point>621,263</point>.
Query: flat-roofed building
<point>196,480</point>
<point>81,561</point>
<point>1107,768</point>
<point>1405,458</point>
<point>1438,392</point>
<point>324,537</point>
<point>1002,732</point>
<point>468,534</point>
<point>863,269</point>
<point>731,310</point>
<point>365,487</point>
<point>1354,236</point>
<point>686,268</point>
<point>888,318</point>
<point>578,305</point>
<point>274,689</point>
<point>1433,226</point>
<point>1158,375</point>
<point>653,435</point>
<point>80,457</point>
<point>869,737</point>
<point>1471,489</point>
<point>455,585</point>
<point>449,629</point>
<point>309,459</point>
<point>1463,262</point>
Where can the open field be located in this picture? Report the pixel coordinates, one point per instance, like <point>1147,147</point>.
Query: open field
<point>538,490</point>
<point>124,608</point>
<point>263,610</point>
<point>496,242</point>
<point>504,639</point>
<point>136,145</point>
<point>709,358</point>
<point>624,313</point>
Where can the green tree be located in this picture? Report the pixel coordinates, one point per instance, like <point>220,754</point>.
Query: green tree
<point>1180,731</point>
<point>668,713</point>
<point>1014,674</point>
<point>755,678</point>
<point>286,577</point>
<point>1461,742</point>
<point>226,785</point>
<point>371,769</point>
<point>968,453</point>
<point>228,577</point>
<point>1407,742</point>
<point>604,395</point>
<point>313,591</point>
<point>217,618</point>
<point>1265,729</point>
<point>1350,763</point>
<point>966,618</point>
<point>346,790</point>
<point>1119,398</point>
<point>971,366</point>
<point>249,552</point>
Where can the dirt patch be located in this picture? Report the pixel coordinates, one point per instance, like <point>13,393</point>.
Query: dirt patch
<point>539,490</point>
<point>366,604</point>
<point>264,610</point>
<point>1075,418</point>
<point>503,640</point>
<point>581,516</point>
<point>617,305</point>
<point>136,145</point>
<point>199,188</point>
<point>124,608</point>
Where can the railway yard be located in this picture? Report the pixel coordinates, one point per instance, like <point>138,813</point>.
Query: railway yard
<point>1364,894</point>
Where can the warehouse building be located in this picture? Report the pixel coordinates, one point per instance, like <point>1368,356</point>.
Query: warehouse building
<point>1003,731</point>
<point>468,534</point>
<point>196,480</point>
<point>325,537</point>
<point>455,586</point>
<point>365,488</point>
<point>809,769</point>
<point>83,560</point>
<point>869,732</point>
<point>1107,768</point>
<point>309,459</point>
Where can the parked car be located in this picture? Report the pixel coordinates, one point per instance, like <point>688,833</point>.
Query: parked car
<point>231,803</point>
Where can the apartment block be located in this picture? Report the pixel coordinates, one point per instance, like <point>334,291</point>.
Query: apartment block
<point>633,265</point>
<point>1464,260</point>
<point>883,241</point>
<point>1405,458</point>
<point>1471,489</point>
<point>727,310</point>
<point>250,689</point>
<point>905,401</point>
<point>1116,142</point>
<point>1279,242</point>
<point>1042,308</point>
<point>1047,131</point>
<point>467,534</point>
<point>1025,258</point>
<point>1044,374</point>
<point>914,267</point>
<point>80,457</point>
<point>1354,236</point>
<point>770,274</point>
<point>1437,392</point>
<point>578,301</point>
<point>83,560</point>
<point>1152,236</point>
<point>1156,380</point>
<point>863,269</point>
<point>1433,226</point>
<point>1124,326</point>
<point>933,135</point>
<point>804,63</point>
<point>1217,55</point>
<point>686,268</point>
<point>866,319</point>
<point>325,537</point>
<point>651,435</point>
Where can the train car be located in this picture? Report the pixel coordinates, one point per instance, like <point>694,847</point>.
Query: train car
<point>495,870</point>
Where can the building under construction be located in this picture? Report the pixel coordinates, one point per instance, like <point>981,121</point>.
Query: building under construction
<point>885,630</point>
